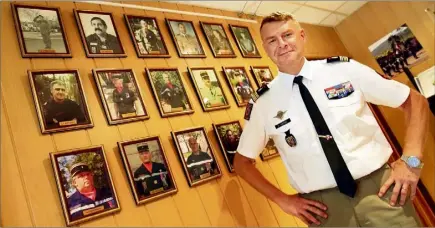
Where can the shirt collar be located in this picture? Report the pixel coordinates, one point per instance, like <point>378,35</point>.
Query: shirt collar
<point>305,71</point>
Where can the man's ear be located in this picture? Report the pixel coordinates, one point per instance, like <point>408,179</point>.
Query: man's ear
<point>303,35</point>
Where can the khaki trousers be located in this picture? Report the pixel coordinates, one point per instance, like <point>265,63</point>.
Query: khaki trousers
<point>366,209</point>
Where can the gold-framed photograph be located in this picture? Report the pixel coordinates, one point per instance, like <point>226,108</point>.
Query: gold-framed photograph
<point>120,95</point>
<point>147,169</point>
<point>196,155</point>
<point>240,84</point>
<point>59,100</point>
<point>84,183</point>
<point>228,135</point>
<point>262,75</point>
<point>245,42</point>
<point>169,91</point>
<point>208,88</point>
<point>218,40</point>
<point>40,31</point>
<point>185,38</point>
<point>269,151</point>
<point>146,36</point>
<point>99,35</point>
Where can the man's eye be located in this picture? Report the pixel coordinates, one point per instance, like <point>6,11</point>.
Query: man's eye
<point>272,41</point>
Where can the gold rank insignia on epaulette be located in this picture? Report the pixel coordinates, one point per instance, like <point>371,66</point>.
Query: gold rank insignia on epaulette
<point>337,59</point>
<point>260,91</point>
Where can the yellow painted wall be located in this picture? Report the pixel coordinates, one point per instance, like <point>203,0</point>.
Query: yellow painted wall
<point>370,23</point>
<point>29,194</point>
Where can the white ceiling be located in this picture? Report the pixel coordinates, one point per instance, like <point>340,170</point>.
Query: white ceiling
<point>327,13</point>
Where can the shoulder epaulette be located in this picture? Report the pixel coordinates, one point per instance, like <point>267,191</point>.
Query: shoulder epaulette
<point>337,59</point>
<point>260,91</point>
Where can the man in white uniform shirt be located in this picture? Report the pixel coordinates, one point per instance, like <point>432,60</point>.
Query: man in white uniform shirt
<point>333,149</point>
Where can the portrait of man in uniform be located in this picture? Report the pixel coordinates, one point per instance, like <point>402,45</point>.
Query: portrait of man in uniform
<point>146,36</point>
<point>185,38</point>
<point>218,40</point>
<point>245,42</point>
<point>120,95</point>
<point>40,31</point>
<point>169,91</point>
<point>197,156</point>
<point>241,86</point>
<point>147,168</point>
<point>208,88</point>
<point>85,184</point>
<point>99,34</point>
<point>262,75</point>
<point>60,101</point>
<point>228,134</point>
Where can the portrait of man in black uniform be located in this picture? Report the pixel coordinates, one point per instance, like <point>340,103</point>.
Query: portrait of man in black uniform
<point>124,99</point>
<point>151,177</point>
<point>228,134</point>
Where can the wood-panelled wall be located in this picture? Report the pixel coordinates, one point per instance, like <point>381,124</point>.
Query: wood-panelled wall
<point>28,191</point>
<point>370,23</point>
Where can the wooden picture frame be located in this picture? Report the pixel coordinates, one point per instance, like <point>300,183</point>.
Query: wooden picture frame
<point>150,45</point>
<point>218,40</point>
<point>53,92</point>
<point>187,41</point>
<point>198,168</point>
<point>262,75</point>
<point>147,185</point>
<point>169,91</point>
<point>208,88</point>
<point>228,142</point>
<point>245,42</point>
<point>87,22</point>
<point>90,168</point>
<point>240,84</point>
<point>120,95</point>
<point>40,31</point>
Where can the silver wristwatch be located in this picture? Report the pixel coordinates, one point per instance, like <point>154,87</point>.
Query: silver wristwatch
<point>412,161</point>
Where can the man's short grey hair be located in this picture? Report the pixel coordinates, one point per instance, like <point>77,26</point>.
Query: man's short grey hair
<point>278,16</point>
<point>57,82</point>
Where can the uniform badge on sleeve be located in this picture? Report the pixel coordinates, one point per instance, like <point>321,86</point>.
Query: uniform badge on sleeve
<point>248,111</point>
<point>339,91</point>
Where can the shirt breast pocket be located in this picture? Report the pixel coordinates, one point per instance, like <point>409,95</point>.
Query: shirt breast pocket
<point>353,99</point>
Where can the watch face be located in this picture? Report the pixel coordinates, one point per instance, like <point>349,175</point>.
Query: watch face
<point>413,162</point>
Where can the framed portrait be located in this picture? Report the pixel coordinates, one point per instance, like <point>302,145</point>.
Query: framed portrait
<point>269,151</point>
<point>40,31</point>
<point>244,41</point>
<point>169,91</point>
<point>99,35</point>
<point>146,36</point>
<point>84,183</point>
<point>240,84</point>
<point>262,75</point>
<point>218,40</point>
<point>120,95</point>
<point>185,38</point>
<point>208,88</point>
<point>59,100</point>
<point>147,169</point>
<point>196,155</point>
<point>228,135</point>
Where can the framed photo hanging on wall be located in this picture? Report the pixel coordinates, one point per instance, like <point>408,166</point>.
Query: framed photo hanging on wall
<point>208,88</point>
<point>84,183</point>
<point>120,95</point>
<point>146,36</point>
<point>185,38</point>
<point>228,135</point>
<point>147,169</point>
<point>218,40</point>
<point>59,100</point>
<point>40,31</point>
<point>240,84</point>
<point>169,91</point>
<point>99,34</point>
<point>245,42</point>
<point>262,75</point>
<point>196,155</point>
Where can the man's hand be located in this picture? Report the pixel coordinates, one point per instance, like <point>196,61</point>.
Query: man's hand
<point>303,208</point>
<point>405,179</point>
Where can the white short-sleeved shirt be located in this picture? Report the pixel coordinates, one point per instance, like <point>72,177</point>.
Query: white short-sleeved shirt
<point>350,120</point>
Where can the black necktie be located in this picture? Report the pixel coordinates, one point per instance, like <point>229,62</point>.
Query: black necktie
<point>345,182</point>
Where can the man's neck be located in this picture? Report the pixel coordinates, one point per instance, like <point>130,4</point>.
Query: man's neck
<point>294,68</point>
<point>87,190</point>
